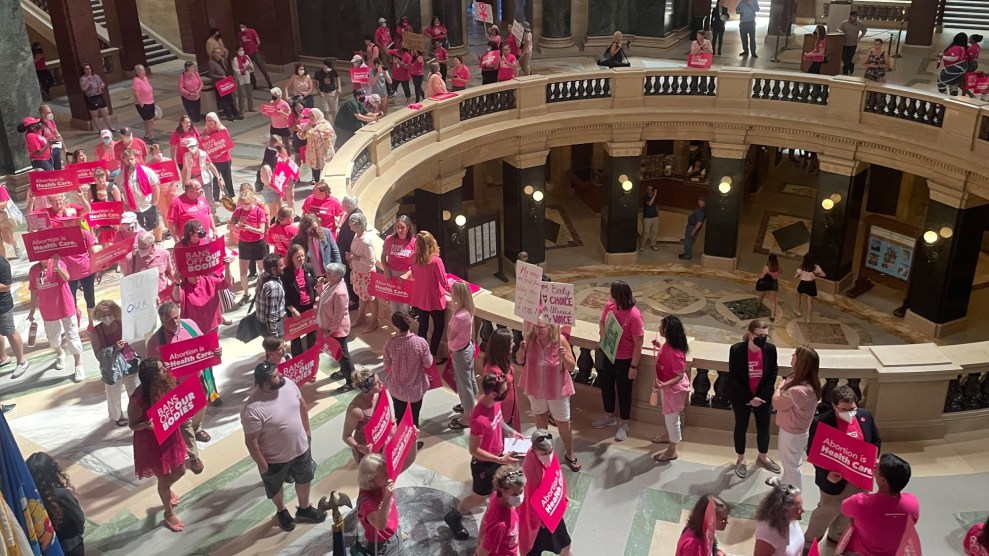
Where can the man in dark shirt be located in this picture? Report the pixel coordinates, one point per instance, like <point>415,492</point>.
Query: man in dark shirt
<point>694,223</point>
<point>328,82</point>
<point>352,115</point>
<point>650,219</point>
<point>344,238</point>
<point>7,328</point>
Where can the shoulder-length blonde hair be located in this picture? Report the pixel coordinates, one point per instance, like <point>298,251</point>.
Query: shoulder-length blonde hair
<point>247,194</point>
<point>554,331</point>
<point>370,468</point>
<point>462,297</point>
<point>212,117</point>
<point>426,247</point>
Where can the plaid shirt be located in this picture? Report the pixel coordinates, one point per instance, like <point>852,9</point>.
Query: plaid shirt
<point>406,360</point>
<point>270,300</point>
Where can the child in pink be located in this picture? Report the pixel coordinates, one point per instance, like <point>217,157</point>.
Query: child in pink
<point>672,382</point>
<point>48,282</point>
<point>500,526</point>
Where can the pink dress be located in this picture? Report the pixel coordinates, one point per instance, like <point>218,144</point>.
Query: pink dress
<point>510,405</point>
<point>150,459</point>
<point>670,362</point>
<point>200,302</point>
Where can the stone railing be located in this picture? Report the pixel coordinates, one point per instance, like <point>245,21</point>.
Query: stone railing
<point>112,71</point>
<point>908,387</point>
<point>886,11</point>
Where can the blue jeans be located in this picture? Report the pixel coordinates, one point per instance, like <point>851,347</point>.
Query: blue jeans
<point>688,240</point>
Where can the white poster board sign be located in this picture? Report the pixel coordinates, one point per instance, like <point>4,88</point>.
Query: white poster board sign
<point>138,305</point>
<point>528,290</point>
<point>558,304</point>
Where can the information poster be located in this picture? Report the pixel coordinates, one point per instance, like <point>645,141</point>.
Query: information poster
<point>889,253</point>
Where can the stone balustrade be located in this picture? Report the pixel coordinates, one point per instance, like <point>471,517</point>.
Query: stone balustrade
<point>112,71</point>
<point>916,391</point>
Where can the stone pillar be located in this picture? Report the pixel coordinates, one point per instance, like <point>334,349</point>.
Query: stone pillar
<point>19,91</point>
<point>920,26</point>
<point>194,27</point>
<point>524,213</point>
<point>556,32</point>
<point>269,18</point>
<point>620,213</point>
<point>942,273</point>
<point>453,14</point>
<point>78,44</point>
<point>121,19</point>
<point>841,185</point>
<point>724,208</point>
<point>781,18</point>
<point>437,207</point>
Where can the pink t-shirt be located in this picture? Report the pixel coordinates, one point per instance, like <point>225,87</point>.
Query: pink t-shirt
<point>416,67</point>
<point>36,142</point>
<point>544,377</point>
<point>880,521</point>
<point>506,68</point>
<point>280,236</point>
<point>55,301</point>
<point>972,545</point>
<point>459,330</point>
<point>300,279</point>
<point>185,209</point>
<point>755,369</point>
<point>820,48</point>
<point>461,76</point>
<point>253,216</point>
<point>143,93</point>
<point>78,265</point>
<point>690,545</point>
<point>485,422</point>
<point>429,286</point>
<point>249,40</point>
<point>400,65</point>
<point>382,36</point>
<point>176,141</point>
<point>399,253</point>
<point>632,327</point>
<point>370,500</point>
<point>440,54</point>
<point>280,119</point>
<point>200,302</point>
<point>500,529</point>
<point>328,209</point>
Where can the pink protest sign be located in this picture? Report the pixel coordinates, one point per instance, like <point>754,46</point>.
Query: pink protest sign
<point>41,245</point>
<point>281,177</point>
<point>846,538</point>
<point>38,221</point>
<point>444,96</point>
<point>451,278</point>
<point>85,170</point>
<point>176,407</point>
<point>396,289</point>
<point>433,375</point>
<point>51,182</point>
<point>398,447</point>
<point>376,429</point>
<point>269,110</point>
<point>700,61</point>
<point>360,76</point>
<point>330,346</point>
<point>549,499</point>
<point>814,551</point>
<point>103,259</point>
<point>910,544</point>
<point>198,260</point>
<point>168,170</point>
<point>447,374</point>
<point>225,86</point>
<point>193,355</point>
<point>216,143</point>
<point>301,369</point>
<point>836,451</point>
<point>300,325</point>
<point>105,214</point>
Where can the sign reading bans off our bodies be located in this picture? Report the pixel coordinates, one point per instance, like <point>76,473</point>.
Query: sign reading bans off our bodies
<point>199,260</point>
<point>176,407</point>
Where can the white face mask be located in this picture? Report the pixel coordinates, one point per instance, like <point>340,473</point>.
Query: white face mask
<point>516,501</point>
<point>847,416</point>
<point>546,459</point>
<point>107,140</point>
<point>144,252</point>
<point>107,320</point>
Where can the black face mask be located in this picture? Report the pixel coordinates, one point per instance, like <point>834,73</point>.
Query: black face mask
<point>760,341</point>
<point>201,234</point>
<point>501,397</point>
<point>274,98</point>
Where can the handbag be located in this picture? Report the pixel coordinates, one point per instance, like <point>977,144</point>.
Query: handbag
<point>158,113</point>
<point>250,327</point>
<point>228,301</point>
<point>764,284</point>
<point>95,102</point>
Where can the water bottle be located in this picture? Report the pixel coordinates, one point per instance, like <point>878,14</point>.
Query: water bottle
<point>654,398</point>
<point>32,333</point>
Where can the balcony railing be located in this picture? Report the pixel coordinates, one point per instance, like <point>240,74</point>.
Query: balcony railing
<point>910,108</point>
<point>790,90</point>
<point>578,89</point>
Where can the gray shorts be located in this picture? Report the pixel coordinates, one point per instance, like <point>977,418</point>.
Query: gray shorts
<point>300,470</point>
<point>269,194</point>
<point>7,327</point>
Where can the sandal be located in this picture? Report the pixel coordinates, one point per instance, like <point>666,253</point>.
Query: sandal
<point>173,523</point>
<point>203,436</point>
<point>459,408</point>
<point>663,457</point>
<point>244,300</point>
<point>174,498</point>
<point>573,464</point>
<point>457,425</point>
<point>121,422</point>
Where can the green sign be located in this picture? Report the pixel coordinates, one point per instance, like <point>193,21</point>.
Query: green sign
<point>609,340</point>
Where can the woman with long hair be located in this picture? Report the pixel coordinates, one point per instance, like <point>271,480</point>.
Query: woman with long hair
<point>777,530</point>
<point>770,275</point>
<point>876,62</point>
<point>498,361</point>
<point>429,289</point>
<point>752,371</point>
<point>435,84</point>
<point>546,380</point>
<point>534,536</point>
<point>397,253</point>
<point>317,243</point>
<point>692,539</point>
<point>360,410</point>
<point>808,272</point>
<point>299,139</point>
<point>251,220</point>
<point>406,359</point>
<point>183,131</point>
<point>817,55</point>
<point>672,382</point>
<point>376,508</point>
<point>977,539</point>
<point>63,508</point>
<point>719,15</point>
<point>955,62</point>
<point>222,160</point>
<point>300,86</point>
<point>618,375</point>
<point>362,261</point>
<point>117,359</point>
<point>166,461</point>
<point>272,198</point>
<point>497,534</point>
<point>795,402</point>
<point>300,292</point>
<point>460,344</point>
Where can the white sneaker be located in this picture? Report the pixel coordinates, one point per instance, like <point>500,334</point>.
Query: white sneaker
<point>773,481</point>
<point>622,432</point>
<point>79,374</point>
<point>60,361</point>
<point>603,421</point>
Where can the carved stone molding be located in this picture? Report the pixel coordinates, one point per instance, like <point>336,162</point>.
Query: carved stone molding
<point>727,150</point>
<point>624,149</point>
<point>528,160</point>
<point>953,197</point>
<point>840,166</point>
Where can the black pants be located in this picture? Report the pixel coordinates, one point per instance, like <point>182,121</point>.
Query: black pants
<point>696,24</point>
<point>417,85</point>
<point>717,39</point>
<point>747,31</point>
<point>400,406</point>
<point>225,104</point>
<point>228,180</point>
<point>346,367</point>
<point>88,289</point>
<point>405,88</point>
<point>259,65</point>
<point>762,417</point>
<point>614,376</point>
<point>489,76</point>
<point>354,300</point>
<point>848,59</point>
<point>193,109</point>
<point>298,347</point>
<point>815,67</point>
<point>439,324</point>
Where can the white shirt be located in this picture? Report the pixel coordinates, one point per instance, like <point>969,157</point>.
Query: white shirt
<point>143,201</point>
<point>792,546</point>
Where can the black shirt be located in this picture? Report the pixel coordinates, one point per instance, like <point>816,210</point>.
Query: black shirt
<point>73,523</point>
<point>327,81</point>
<point>699,214</point>
<point>6,300</point>
<point>346,236</point>
<point>649,209</point>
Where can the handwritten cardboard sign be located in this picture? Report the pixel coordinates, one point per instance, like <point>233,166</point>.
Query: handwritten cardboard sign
<point>398,447</point>
<point>105,213</point>
<point>300,325</point>
<point>414,41</point>
<point>138,305</point>
<point>111,254</point>
<point>517,31</point>
<point>360,76</point>
<point>216,143</point>
<point>85,170</point>
<point>558,303</point>
<point>225,86</point>
<point>175,408</point>
<point>377,428</point>
<point>167,170</point>
<point>549,499</point>
<point>301,369</point>
<point>528,290</point>
<point>612,334</point>
<point>52,182</point>
<point>190,356</point>
<point>835,451</point>
<point>199,260</point>
<point>397,290</point>
<point>269,110</point>
<point>483,13</point>
<point>62,240</point>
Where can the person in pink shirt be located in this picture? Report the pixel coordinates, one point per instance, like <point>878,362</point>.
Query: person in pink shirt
<point>693,538</point>
<point>280,234</point>
<point>199,296</point>
<point>48,281</point>
<point>325,206</point>
<point>396,254</point>
<point>534,536</point>
<point>382,36</point>
<point>280,119</point>
<point>105,152</point>
<point>498,361</point>
<point>436,83</point>
<point>507,64</point>
<point>441,56</point>
<point>360,410</point>
<point>461,74</point>
<point>250,218</point>
<point>144,100</point>
<point>128,141</point>
<point>82,275</point>
<point>546,380</point>
<point>38,147</point>
<point>618,375</point>
<point>430,288</point>
<point>672,382</point>
<point>191,88</point>
<point>499,530</point>
<point>251,43</point>
<point>117,359</point>
<point>752,371</point>
<point>977,540</point>
<point>183,131</point>
<point>817,55</point>
<point>494,37</point>
<point>167,191</point>
<point>49,129</point>
<point>416,70</point>
<point>333,318</point>
<point>436,31</point>
<point>147,255</point>
<point>376,508</point>
<point>401,62</point>
<point>402,27</point>
<point>460,344</point>
<point>795,402</point>
<point>191,205</point>
<point>880,519</point>
<point>222,160</point>
<point>406,360</point>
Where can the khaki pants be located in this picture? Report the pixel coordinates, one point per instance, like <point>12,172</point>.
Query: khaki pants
<point>524,63</point>
<point>827,516</point>
<point>650,231</point>
<point>328,103</point>
<point>189,430</point>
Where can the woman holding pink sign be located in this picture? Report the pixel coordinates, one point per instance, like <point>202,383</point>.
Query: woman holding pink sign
<point>48,281</point>
<point>534,536</point>
<point>700,44</point>
<point>221,160</point>
<point>397,253</point>
<point>360,410</point>
<point>300,292</point>
<point>198,297</point>
<point>376,508</point>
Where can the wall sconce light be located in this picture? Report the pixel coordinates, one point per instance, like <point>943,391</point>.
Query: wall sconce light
<point>946,232</point>
<point>447,216</point>
<point>827,205</point>
<point>930,237</point>
<point>622,178</point>
<point>460,220</point>
<point>627,186</point>
<point>528,190</point>
<point>724,188</point>
<point>537,196</point>
<point>836,198</point>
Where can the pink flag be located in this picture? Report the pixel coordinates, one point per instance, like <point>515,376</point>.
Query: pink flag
<point>303,368</point>
<point>398,447</point>
<point>377,427</point>
<point>330,346</point>
<point>61,240</point>
<point>176,407</point>
<point>836,451</point>
<point>549,499</point>
<point>50,182</point>
<point>300,325</point>
<point>103,259</point>
<point>910,545</point>
<point>105,214</point>
<point>216,143</point>
<point>199,260</point>
<point>190,356</point>
<point>397,289</point>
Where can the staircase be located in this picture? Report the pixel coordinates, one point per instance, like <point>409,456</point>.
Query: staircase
<point>155,52</point>
<point>966,15</point>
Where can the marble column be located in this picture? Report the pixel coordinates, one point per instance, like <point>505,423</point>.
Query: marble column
<point>19,91</point>
<point>121,16</point>
<point>452,13</point>
<point>724,207</point>
<point>78,44</point>
<point>943,270</point>
<point>620,213</point>
<point>841,185</point>
<point>269,18</point>
<point>781,17</point>
<point>556,32</point>
<point>437,206</point>
<point>920,26</point>
<point>524,213</point>
<point>194,29</point>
